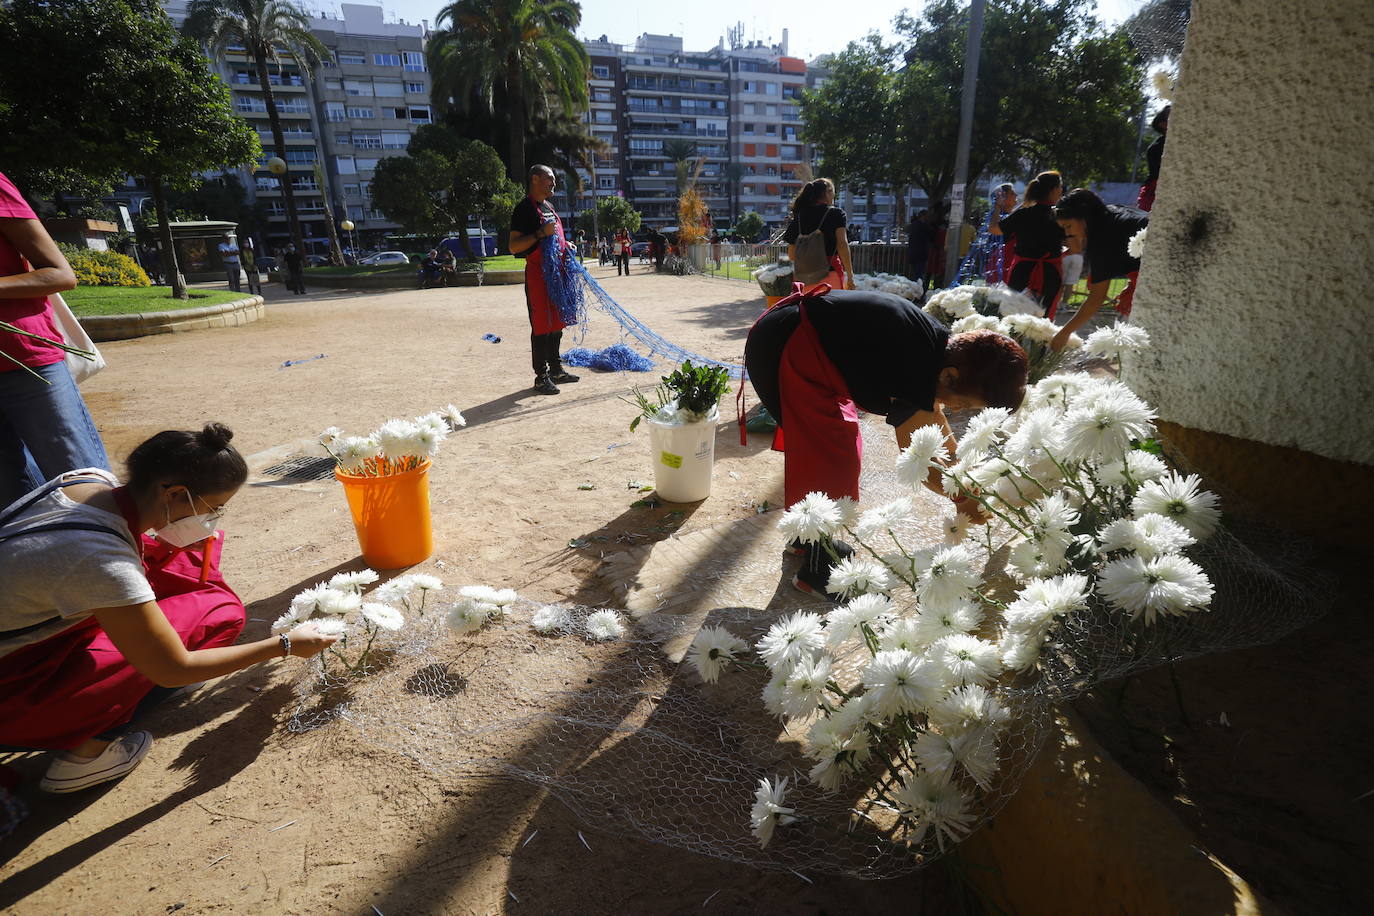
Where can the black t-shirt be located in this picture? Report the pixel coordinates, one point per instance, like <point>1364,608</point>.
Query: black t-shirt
<point>919,238</point>
<point>827,218</point>
<point>887,349</point>
<point>1154,156</point>
<point>1105,257</point>
<point>1036,232</point>
<point>526,219</point>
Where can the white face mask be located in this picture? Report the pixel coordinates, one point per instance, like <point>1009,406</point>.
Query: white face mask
<point>190,530</point>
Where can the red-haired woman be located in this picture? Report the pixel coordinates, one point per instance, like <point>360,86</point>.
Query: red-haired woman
<point>816,361</point>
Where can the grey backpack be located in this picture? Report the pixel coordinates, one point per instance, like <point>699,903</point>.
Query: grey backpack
<point>810,263</point>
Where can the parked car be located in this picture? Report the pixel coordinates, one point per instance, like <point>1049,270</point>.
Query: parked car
<point>639,249</point>
<point>266,263</point>
<point>385,259</point>
<point>316,260</point>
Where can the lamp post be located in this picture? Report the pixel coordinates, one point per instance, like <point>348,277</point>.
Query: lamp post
<point>347,226</point>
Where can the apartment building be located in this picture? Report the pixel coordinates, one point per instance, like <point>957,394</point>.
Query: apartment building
<point>766,143</point>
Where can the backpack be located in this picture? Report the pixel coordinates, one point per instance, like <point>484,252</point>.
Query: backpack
<point>810,263</point>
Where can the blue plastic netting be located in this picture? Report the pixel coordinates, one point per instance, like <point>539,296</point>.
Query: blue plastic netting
<point>615,358</point>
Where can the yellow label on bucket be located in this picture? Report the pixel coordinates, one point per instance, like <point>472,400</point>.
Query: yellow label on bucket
<point>668,458</point>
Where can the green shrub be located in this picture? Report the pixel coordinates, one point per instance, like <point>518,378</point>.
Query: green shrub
<point>103,268</point>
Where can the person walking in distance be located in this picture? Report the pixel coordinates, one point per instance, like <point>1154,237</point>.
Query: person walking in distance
<point>229,254</point>
<point>623,244</point>
<point>532,221</point>
<point>295,270</point>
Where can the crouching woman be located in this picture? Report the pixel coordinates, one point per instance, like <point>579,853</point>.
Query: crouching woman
<point>95,614</point>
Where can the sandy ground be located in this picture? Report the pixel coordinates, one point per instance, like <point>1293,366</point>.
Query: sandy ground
<point>193,829</point>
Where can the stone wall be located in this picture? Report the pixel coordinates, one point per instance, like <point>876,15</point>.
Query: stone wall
<point>1256,281</point>
<point>141,324</point>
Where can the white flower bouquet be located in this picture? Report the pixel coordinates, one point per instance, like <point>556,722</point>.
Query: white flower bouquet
<point>908,689</point>
<point>895,284</point>
<point>689,394</point>
<point>339,608</point>
<point>775,279</point>
<point>949,305</point>
<point>394,447</point>
<point>1033,333</point>
<point>1135,247</point>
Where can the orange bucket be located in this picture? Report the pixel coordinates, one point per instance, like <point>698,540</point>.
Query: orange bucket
<point>391,515</point>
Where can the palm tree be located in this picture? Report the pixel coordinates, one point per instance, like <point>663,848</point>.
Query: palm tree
<point>264,29</point>
<point>680,151</point>
<point>521,53</point>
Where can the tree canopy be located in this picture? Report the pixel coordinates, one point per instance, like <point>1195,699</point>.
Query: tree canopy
<point>749,226</point>
<point>612,214</point>
<point>1055,90</point>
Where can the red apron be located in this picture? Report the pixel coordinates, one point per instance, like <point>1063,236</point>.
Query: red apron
<point>75,685</point>
<point>824,443</point>
<point>836,277</point>
<point>544,315</point>
<point>1145,200</point>
<point>1035,284</point>
<point>1127,297</point>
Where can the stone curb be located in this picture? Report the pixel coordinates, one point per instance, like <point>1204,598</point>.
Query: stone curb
<point>142,324</point>
<point>407,281</point>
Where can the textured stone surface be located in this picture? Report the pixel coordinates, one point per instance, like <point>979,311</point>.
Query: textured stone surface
<point>1256,284</point>
<point>223,315</point>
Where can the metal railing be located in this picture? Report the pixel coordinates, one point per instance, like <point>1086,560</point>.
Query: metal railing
<point>736,261</point>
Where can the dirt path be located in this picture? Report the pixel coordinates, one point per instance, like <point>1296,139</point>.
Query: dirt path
<point>199,827</point>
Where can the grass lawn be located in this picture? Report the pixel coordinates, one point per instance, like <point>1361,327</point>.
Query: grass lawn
<point>124,300</point>
<point>498,262</point>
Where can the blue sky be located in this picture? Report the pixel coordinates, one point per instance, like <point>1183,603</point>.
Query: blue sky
<point>814,27</point>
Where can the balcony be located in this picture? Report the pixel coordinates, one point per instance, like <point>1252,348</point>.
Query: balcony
<point>273,79</point>
<point>643,85</point>
<point>671,130</point>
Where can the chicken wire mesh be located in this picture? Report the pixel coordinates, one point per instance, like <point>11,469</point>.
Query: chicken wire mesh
<point>635,743</point>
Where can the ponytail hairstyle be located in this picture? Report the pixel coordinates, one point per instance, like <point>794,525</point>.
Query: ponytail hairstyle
<point>1042,186</point>
<point>1080,203</point>
<point>203,462</point>
<point>812,193</point>
<point>1160,122</point>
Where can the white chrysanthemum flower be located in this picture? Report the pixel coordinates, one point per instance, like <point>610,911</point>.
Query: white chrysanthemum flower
<point>353,581</point>
<point>424,442</point>
<point>338,603</point>
<point>395,438</point>
<point>1118,339</point>
<point>983,431</point>
<point>1162,82</point>
<point>974,751</point>
<point>1059,596</point>
<point>434,421</point>
<point>845,622</point>
<point>935,804</point>
<point>811,518</point>
<point>383,616</point>
<point>1057,391</point>
<point>551,618</point>
<point>1029,617</point>
<point>1035,557</point>
<point>1180,499</point>
<point>453,417</point>
<point>354,452</point>
<point>952,573</point>
<point>903,633</point>
<point>927,450</point>
<point>604,625</point>
<point>968,659</point>
<point>1010,302</point>
<point>967,708</point>
<point>836,749</point>
<point>426,583</point>
<point>856,713</point>
<point>328,626</point>
<point>483,593</point>
<point>998,477</point>
<point>971,323</point>
<point>955,527</point>
<point>804,686</point>
<point>902,682</point>
<point>855,575</point>
<point>468,616</point>
<point>330,436</point>
<point>1103,427</point>
<point>1020,650</point>
<point>768,811</point>
<point>791,638</point>
<point>394,590</point>
<point>285,622</point>
<point>878,521</point>
<point>1167,585</point>
<point>936,621</point>
<point>504,597</point>
<point>1138,467</point>
<point>1135,246</point>
<point>307,600</point>
<point>712,651</point>
<point>1150,536</point>
<point>1032,328</point>
<point>1052,516</point>
<point>1036,434</point>
<point>909,568</point>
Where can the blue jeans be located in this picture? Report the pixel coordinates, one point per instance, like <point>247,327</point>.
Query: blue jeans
<point>45,430</point>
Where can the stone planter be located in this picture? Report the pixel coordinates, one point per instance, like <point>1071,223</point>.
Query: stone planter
<point>142,324</point>
<point>407,280</point>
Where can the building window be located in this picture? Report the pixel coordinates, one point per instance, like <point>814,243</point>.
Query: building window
<point>415,61</point>
<point>360,113</point>
<point>386,60</point>
<point>367,141</point>
<point>419,114</point>
<point>351,57</point>
<point>605,182</point>
<point>415,87</point>
<point>395,139</point>
<point>388,88</point>
<point>772,111</point>
<point>601,72</point>
<point>350,190</point>
<point>603,117</point>
<point>343,139</point>
<point>748,127</point>
<point>367,165</point>
<point>770,88</point>
<point>748,107</point>
<point>333,84</point>
<point>602,95</point>
<point>357,87</point>
<point>267,184</point>
<point>335,111</point>
<point>770,129</point>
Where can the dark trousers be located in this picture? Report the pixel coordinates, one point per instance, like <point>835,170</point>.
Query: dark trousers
<point>1021,276</point>
<point>544,353</point>
<point>622,264</point>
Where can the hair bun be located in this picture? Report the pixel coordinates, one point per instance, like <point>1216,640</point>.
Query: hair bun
<point>216,436</point>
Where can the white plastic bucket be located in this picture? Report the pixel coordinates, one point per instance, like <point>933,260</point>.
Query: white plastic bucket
<point>683,456</point>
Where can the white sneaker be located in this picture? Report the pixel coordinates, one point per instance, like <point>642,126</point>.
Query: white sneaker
<point>115,761</point>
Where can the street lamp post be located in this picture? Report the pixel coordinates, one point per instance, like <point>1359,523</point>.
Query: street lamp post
<point>956,202</point>
<point>347,226</point>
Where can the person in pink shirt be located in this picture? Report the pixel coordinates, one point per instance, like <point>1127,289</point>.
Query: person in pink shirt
<point>45,429</point>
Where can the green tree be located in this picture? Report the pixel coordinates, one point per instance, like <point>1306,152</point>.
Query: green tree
<point>681,153</point>
<point>441,181</point>
<point>749,226</point>
<point>131,97</point>
<point>265,29</point>
<point>612,214</point>
<point>734,172</point>
<point>520,56</point>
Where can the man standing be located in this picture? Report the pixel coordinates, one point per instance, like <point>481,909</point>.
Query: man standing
<point>295,269</point>
<point>229,254</point>
<point>532,221</point>
<point>919,237</point>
